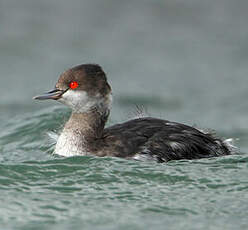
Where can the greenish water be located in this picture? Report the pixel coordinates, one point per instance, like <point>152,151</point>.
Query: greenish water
<point>43,191</point>
<point>183,60</point>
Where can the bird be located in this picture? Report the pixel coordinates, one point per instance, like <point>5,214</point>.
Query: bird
<point>86,91</point>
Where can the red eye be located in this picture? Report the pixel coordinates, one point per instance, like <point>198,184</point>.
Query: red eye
<point>73,85</point>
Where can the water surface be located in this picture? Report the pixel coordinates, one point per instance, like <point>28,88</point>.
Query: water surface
<point>183,60</point>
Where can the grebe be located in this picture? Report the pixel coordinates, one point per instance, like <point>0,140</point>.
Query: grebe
<point>84,88</point>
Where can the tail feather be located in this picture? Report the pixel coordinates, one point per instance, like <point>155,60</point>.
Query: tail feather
<point>229,143</point>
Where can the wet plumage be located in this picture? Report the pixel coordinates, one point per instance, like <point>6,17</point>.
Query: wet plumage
<point>161,140</point>
<point>141,139</point>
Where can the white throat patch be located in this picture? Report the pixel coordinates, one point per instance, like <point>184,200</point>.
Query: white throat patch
<point>80,101</point>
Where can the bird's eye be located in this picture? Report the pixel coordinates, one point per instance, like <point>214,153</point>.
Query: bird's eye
<point>73,85</point>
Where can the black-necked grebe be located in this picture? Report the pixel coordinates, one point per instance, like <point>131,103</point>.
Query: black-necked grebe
<point>85,90</point>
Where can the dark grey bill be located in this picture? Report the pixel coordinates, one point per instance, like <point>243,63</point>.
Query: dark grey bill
<point>54,94</point>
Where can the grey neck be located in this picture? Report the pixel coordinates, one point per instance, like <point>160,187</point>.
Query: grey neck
<point>81,133</point>
<point>89,124</point>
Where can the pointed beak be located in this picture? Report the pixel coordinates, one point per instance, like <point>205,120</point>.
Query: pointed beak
<point>54,94</point>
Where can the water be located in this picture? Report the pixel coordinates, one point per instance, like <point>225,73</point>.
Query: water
<point>183,60</point>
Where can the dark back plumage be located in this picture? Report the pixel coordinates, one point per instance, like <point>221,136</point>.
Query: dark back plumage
<point>162,140</point>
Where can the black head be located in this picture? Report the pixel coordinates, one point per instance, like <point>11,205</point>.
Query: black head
<point>80,86</point>
<point>87,77</point>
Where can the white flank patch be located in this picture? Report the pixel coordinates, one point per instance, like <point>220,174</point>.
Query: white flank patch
<point>143,157</point>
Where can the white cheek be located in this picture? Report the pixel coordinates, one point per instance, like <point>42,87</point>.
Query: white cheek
<point>80,101</point>
<point>76,100</point>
